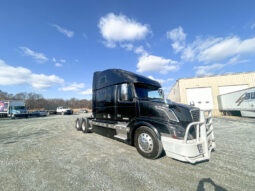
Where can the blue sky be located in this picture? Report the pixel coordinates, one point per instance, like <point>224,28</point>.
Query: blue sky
<point>53,47</point>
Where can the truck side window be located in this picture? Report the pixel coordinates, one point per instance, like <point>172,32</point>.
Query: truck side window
<point>125,93</point>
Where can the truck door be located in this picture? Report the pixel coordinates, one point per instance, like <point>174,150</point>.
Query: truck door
<point>105,103</point>
<point>126,108</point>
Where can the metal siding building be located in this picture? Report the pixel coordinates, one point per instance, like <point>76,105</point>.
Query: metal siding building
<point>203,91</point>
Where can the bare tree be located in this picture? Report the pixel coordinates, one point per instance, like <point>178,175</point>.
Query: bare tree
<point>36,101</point>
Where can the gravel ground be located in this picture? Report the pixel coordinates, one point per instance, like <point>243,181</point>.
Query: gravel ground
<point>49,154</point>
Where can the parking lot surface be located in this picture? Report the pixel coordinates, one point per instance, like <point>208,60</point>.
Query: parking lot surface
<point>49,154</point>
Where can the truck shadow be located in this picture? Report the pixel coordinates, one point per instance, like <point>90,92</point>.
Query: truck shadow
<point>202,182</point>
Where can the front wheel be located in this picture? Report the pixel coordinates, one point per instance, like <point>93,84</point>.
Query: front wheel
<point>147,143</point>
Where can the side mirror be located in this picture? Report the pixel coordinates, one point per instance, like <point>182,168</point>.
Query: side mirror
<point>126,93</point>
<point>161,93</point>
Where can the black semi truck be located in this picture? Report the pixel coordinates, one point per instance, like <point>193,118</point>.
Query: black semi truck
<point>132,108</point>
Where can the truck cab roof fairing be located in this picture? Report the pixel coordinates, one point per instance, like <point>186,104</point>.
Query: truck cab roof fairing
<point>118,76</point>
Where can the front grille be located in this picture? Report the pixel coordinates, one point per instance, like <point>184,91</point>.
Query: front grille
<point>195,115</point>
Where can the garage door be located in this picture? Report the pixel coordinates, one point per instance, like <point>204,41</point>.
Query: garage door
<point>228,89</point>
<point>200,97</point>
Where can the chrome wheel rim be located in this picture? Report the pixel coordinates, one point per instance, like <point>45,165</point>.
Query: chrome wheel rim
<point>77,125</point>
<point>145,142</point>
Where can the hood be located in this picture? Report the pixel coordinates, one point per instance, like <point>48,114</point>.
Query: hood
<point>167,111</point>
<point>185,113</point>
<point>176,105</point>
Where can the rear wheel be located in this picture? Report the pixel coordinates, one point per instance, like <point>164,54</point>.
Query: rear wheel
<point>147,143</point>
<point>78,124</point>
<point>85,125</point>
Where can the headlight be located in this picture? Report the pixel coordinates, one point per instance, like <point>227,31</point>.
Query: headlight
<point>176,132</point>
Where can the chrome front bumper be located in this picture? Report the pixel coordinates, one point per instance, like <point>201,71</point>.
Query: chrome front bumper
<point>194,150</point>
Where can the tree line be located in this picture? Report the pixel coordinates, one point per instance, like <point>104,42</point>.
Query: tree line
<point>37,101</point>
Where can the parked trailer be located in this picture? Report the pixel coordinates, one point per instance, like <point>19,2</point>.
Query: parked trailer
<point>242,101</point>
<point>132,108</point>
<point>13,108</point>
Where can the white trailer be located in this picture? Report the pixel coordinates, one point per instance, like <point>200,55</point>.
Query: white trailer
<point>242,101</point>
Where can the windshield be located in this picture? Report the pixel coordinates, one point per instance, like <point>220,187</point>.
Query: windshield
<point>19,107</point>
<point>149,92</point>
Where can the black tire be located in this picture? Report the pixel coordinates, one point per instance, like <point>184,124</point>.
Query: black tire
<point>78,124</point>
<point>156,150</point>
<point>85,125</point>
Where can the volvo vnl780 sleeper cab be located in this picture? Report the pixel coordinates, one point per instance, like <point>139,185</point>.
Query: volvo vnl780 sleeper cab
<point>132,108</point>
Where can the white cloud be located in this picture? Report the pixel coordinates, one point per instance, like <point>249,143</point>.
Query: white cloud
<point>127,46</point>
<point>215,52</point>
<point>73,87</point>
<point>140,50</point>
<point>62,60</point>
<point>86,92</point>
<point>161,81</point>
<point>39,57</point>
<point>57,62</point>
<point>119,28</point>
<point>58,65</point>
<point>219,51</point>
<point>208,69</point>
<point>192,50</point>
<point>178,46</point>
<point>66,32</point>
<point>109,44</point>
<point>178,37</point>
<point>169,80</point>
<point>212,49</point>
<point>41,81</point>
<point>10,75</point>
<point>151,63</point>
<point>236,60</point>
<point>176,34</point>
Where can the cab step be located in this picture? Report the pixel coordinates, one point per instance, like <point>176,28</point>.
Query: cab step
<point>121,137</point>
